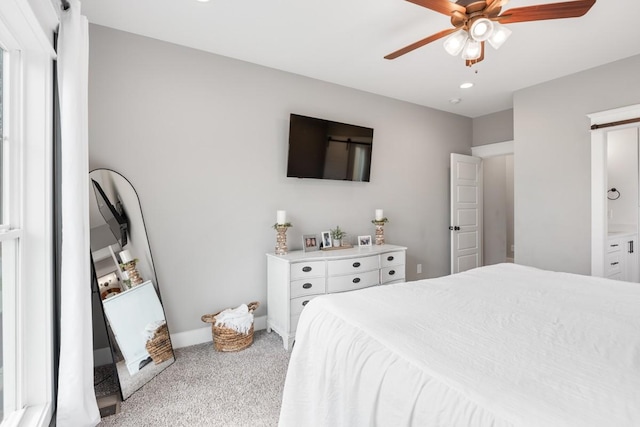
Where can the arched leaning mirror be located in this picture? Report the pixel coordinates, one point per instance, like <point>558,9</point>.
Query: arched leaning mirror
<point>125,283</point>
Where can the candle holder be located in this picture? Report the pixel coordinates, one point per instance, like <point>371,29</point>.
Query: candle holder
<point>133,277</point>
<point>281,238</point>
<point>379,223</point>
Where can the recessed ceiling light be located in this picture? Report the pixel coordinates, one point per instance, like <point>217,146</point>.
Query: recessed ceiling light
<point>466,85</point>
<point>455,100</point>
<point>203,1</point>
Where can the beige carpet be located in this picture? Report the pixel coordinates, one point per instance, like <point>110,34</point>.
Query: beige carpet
<point>207,388</point>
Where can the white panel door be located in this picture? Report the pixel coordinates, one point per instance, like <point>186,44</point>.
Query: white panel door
<point>466,212</point>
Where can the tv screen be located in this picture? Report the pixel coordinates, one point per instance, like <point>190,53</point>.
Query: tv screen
<point>116,220</point>
<point>323,149</point>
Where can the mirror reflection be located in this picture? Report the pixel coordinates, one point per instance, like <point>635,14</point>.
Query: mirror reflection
<point>125,283</point>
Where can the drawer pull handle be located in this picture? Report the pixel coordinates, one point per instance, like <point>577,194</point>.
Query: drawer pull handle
<point>356,264</point>
<point>615,263</point>
<point>306,269</point>
<point>390,258</point>
<point>615,245</point>
<point>307,286</point>
<point>392,272</point>
<point>305,303</point>
<point>356,280</point>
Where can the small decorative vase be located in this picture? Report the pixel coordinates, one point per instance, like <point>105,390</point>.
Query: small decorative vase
<point>337,243</point>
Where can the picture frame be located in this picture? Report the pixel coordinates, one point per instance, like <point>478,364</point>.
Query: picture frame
<point>364,240</point>
<point>109,285</point>
<point>325,236</point>
<point>310,243</point>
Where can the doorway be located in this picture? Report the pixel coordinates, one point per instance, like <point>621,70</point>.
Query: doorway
<point>603,124</point>
<point>498,209</point>
<point>494,243</point>
<point>498,191</point>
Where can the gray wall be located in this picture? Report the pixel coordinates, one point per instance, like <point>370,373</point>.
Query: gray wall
<point>494,127</point>
<point>203,139</point>
<point>552,168</point>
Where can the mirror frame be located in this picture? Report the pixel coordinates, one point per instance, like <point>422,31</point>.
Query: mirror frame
<point>116,353</point>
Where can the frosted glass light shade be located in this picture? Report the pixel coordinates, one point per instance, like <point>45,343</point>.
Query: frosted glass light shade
<point>472,49</point>
<point>481,29</point>
<point>500,34</point>
<point>455,42</point>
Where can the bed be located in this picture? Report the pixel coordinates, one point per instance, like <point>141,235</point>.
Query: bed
<point>503,345</point>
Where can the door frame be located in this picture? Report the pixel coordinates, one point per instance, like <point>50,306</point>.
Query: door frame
<point>493,149</point>
<point>599,227</point>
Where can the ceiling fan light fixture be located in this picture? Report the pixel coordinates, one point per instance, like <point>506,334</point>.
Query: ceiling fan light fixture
<point>455,42</point>
<point>481,29</point>
<point>500,35</point>
<point>472,50</point>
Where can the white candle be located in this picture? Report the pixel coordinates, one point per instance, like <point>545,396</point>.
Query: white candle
<point>379,215</point>
<point>281,217</point>
<point>125,257</point>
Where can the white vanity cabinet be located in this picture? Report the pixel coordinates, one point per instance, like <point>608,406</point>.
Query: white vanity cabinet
<point>296,278</point>
<point>622,257</point>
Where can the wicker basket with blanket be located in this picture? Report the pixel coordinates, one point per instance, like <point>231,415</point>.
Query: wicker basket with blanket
<point>159,347</point>
<point>232,329</point>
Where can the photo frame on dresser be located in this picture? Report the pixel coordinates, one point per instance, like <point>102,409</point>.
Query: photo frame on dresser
<point>326,239</point>
<point>364,240</point>
<point>310,243</point>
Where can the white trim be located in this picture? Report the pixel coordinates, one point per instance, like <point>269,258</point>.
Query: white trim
<point>21,30</point>
<point>202,335</point>
<point>37,416</point>
<point>493,150</point>
<point>616,114</point>
<point>599,179</point>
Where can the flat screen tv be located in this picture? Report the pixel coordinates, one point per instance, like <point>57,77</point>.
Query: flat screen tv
<point>323,149</point>
<point>115,219</point>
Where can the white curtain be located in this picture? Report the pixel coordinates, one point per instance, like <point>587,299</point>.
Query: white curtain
<point>77,405</point>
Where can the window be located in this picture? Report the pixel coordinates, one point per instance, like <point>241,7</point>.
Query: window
<point>26,356</point>
<point>10,233</point>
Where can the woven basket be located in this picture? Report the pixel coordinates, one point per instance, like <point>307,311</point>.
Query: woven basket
<point>227,339</point>
<point>159,347</point>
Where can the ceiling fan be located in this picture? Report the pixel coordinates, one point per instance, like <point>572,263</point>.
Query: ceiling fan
<point>477,21</point>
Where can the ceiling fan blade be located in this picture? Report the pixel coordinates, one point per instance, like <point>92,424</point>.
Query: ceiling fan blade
<point>568,9</point>
<point>443,6</point>
<point>420,43</point>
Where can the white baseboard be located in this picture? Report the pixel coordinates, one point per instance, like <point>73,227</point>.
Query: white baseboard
<point>102,356</point>
<point>202,335</point>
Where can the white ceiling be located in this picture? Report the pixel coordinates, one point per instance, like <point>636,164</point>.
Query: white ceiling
<point>344,42</point>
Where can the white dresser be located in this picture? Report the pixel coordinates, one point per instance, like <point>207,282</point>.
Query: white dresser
<point>298,277</point>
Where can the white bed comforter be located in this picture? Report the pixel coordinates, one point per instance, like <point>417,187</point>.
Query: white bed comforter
<point>502,345</point>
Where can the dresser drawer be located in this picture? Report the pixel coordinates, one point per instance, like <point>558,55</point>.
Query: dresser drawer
<point>297,304</point>
<point>392,258</point>
<point>310,286</point>
<point>614,245</point>
<point>390,274</point>
<point>303,270</point>
<point>352,282</point>
<point>353,265</point>
<point>614,263</point>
